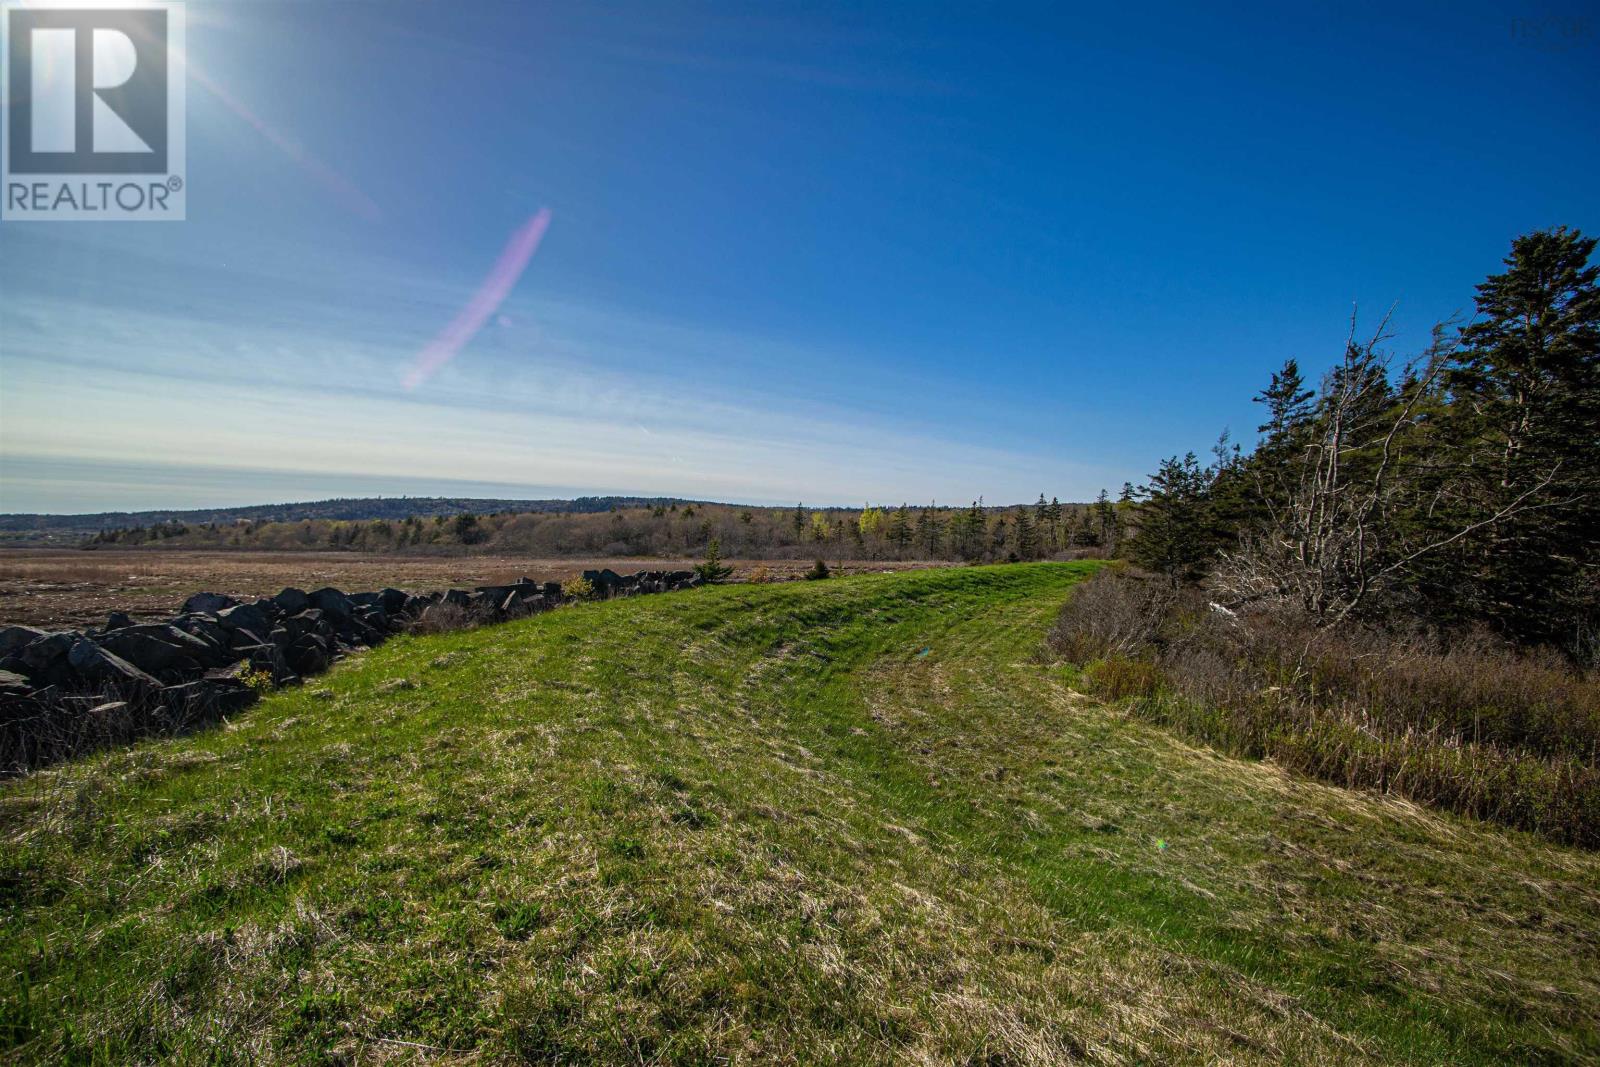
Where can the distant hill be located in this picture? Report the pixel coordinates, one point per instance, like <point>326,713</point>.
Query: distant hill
<point>344,509</point>
<point>596,526</point>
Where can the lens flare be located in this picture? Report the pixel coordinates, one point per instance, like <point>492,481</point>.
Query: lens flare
<point>496,286</point>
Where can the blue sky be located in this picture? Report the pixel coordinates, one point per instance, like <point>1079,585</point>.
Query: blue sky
<point>795,252</point>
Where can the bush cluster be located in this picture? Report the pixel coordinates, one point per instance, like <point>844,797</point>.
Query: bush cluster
<point>1470,724</point>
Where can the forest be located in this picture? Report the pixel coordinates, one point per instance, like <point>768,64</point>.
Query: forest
<point>1398,586</point>
<point>1047,529</point>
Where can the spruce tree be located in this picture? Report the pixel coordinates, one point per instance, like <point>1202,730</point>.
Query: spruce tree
<point>899,532</point>
<point>1288,402</point>
<point>1107,527</point>
<point>713,569</point>
<point>1027,545</point>
<point>1527,386</point>
<point>1174,537</point>
<point>930,533</point>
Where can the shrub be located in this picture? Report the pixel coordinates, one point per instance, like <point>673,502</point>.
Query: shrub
<point>1466,723</point>
<point>578,589</point>
<point>258,680</point>
<point>1112,615</point>
<point>713,569</point>
<point>1118,677</point>
<point>761,574</point>
<point>819,570</point>
<point>442,618</point>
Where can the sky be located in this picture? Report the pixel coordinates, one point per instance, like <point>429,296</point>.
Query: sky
<point>771,253</point>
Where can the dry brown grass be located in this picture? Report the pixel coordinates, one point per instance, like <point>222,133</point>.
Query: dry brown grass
<point>71,588</point>
<point>1466,722</point>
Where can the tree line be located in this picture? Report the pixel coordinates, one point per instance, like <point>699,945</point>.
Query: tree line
<point>1457,488</point>
<point>976,533</point>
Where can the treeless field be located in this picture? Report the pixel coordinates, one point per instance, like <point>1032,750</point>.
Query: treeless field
<point>74,588</point>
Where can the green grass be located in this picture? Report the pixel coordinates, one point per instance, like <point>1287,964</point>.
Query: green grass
<point>860,820</point>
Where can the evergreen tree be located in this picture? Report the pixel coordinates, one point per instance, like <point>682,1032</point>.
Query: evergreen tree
<point>967,532</point>
<point>1027,544</point>
<point>1108,527</point>
<point>1527,382</point>
<point>1288,402</point>
<point>1000,538</point>
<point>930,532</point>
<point>899,533</point>
<point>1173,522</point>
<point>713,569</point>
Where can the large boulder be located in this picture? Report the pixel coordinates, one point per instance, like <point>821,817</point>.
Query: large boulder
<point>371,620</point>
<point>606,582</point>
<point>393,600</point>
<point>310,653</point>
<point>44,660</point>
<point>334,604</point>
<point>310,621</point>
<point>266,657</point>
<point>96,666</point>
<point>245,617</point>
<point>416,605</point>
<point>205,627</point>
<point>207,603</point>
<point>14,639</point>
<point>242,638</point>
<point>292,601</point>
<point>160,649</point>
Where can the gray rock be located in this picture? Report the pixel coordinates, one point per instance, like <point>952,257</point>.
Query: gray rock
<point>242,638</point>
<point>292,601</point>
<point>245,617</point>
<point>207,629</point>
<point>14,639</point>
<point>45,660</point>
<point>159,648</point>
<point>309,654</point>
<point>309,621</point>
<point>208,603</point>
<point>95,665</point>
<point>333,603</point>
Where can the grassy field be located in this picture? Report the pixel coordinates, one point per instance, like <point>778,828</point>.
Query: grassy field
<point>855,821</point>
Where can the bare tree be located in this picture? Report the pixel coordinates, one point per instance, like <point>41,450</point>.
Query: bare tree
<point>1339,512</point>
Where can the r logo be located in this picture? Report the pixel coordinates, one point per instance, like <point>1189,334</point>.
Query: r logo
<point>87,91</point>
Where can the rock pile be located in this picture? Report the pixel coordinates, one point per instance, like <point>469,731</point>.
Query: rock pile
<point>64,692</point>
